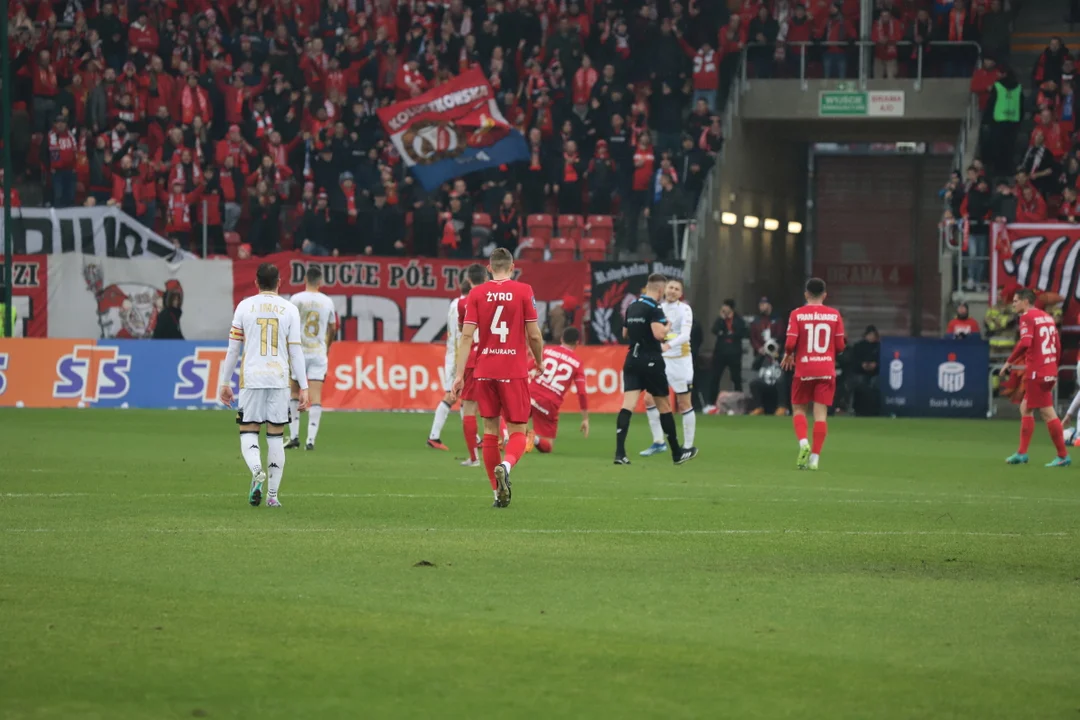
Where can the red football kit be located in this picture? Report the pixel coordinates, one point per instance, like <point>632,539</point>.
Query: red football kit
<point>562,367</point>
<point>815,335</point>
<point>499,310</point>
<point>1039,349</point>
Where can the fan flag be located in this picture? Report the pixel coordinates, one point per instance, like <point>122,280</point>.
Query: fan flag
<point>453,130</point>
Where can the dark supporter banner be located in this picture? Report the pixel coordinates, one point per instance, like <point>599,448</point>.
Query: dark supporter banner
<point>103,231</point>
<point>452,130</point>
<point>1042,257</point>
<point>934,377</point>
<point>400,299</point>
<point>614,286</point>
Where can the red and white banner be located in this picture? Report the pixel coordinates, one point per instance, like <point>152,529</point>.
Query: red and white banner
<point>403,299</point>
<point>1043,257</point>
<point>30,295</point>
<point>399,376</point>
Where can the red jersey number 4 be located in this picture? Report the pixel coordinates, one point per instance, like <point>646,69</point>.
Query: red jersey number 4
<point>816,335</point>
<point>500,310</point>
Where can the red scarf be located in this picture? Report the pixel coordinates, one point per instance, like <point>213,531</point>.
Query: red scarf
<point>179,212</point>
<point>191,104</point>
<point>569,171</point>
<point>350,202</point>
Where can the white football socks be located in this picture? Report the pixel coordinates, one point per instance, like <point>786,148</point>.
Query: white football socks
<point>275,463</point>
<point>689,427</point>
<point>441,413</point>
<point>294,419</point>
<point>654,425</point>
<point>249,448</point>
<point>804,443</point>
<point>313,417</point>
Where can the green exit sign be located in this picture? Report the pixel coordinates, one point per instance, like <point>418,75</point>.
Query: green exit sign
<point>842,104</point>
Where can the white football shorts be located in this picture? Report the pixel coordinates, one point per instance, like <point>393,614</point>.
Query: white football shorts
<point>680,373</point>
<point>315,366</point>
<point>263,405</point>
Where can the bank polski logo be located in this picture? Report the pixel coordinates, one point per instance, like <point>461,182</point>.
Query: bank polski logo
<point>950,375</point>
<point>896,371</point>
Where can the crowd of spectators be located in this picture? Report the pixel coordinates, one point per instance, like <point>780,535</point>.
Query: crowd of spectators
<point>260,116</point>
<point>1016,181</point>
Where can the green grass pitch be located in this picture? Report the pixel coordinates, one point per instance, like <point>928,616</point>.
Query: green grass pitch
<point>914,576</point>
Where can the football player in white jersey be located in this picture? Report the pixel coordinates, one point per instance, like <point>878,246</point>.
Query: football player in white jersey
<point>679,366</point>
<point>318,328</point>
<point>453,334</point>
<point>265,335</point>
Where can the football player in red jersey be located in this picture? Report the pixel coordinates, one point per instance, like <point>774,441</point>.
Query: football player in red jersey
<point>477,276</point>
<point>561,367</point>
<point>1039,349</point>
<point>502,312</point>
<point>815,336</point>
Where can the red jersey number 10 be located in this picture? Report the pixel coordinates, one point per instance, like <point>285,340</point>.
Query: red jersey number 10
<point>818,338</point>
<point>499,327</point>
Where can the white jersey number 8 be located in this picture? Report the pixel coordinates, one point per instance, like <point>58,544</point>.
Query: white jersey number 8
<point>499,328</point>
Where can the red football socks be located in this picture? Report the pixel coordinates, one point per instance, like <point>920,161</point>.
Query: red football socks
<point>515,448</point>
<point>821,430</point>
<point>543,446</point>
<point>468,426</point>
<point>1027,429</point>
<point>492,458</point>
<point>1057,434</point>
<point>799,421</point>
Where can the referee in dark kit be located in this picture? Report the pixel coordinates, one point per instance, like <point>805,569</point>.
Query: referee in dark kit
<point>646,327</point>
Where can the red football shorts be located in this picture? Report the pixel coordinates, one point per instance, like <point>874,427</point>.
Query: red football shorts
<point>545,418</point>
<point>820,390</point>
<point>1039,391</point>
<point>505,398</point>
<point>468,390</point>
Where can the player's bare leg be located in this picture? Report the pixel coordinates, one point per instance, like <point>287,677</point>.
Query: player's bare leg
<point>294,416</point>
<point>685,405</point>
<point>1057,435</point>
<point>821,431</point>
<point>468,427</point>
<point>314,412</point>
<point>798,420</point>
<point>275,462</point>
<point>653,415</point>
<point>442,412</point>
<point>250,450</point>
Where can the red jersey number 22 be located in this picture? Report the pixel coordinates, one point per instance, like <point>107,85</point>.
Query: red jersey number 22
<point>1047,334</point>
<point>818,337</point>
<point>501,329</point>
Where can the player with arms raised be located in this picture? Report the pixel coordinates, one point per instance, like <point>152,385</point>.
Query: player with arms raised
<point>561,369</point>
<point>319,326</point>
<point>502,312</point>
<point>815,337</point>
<point>453,336</point>
<point>1039,349</point>
<point>265,335</point>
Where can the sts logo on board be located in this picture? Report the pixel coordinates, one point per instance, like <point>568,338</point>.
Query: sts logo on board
<point>197,375</point>
<point>91,373</point>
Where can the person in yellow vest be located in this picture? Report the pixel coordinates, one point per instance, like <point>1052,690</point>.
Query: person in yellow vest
<point>4,310</point>
<point>1001,331</point>
<point>1004,110</point>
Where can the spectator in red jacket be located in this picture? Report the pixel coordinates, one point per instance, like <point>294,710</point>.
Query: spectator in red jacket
<point>963,325</point>
<point>45,89</point>
<point>1069,212</point>
<point>1030,206</point>
<point>157,88</point>
<point>62,146</point>
<point>584,80</point>
<point>142,36</point>
<point>193,100</point>
<point>836,34</point>
<point>798,33</point>
<point>127,189</point>
<point>236,146</point>
<point>706,69</point>
<point>1056,140</point>
<point>887,33</point>
<point>983,80</point>
<point>178,216</point>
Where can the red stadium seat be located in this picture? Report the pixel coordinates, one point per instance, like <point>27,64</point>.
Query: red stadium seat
<point>481,231</point>
<point>593,248</point>
<point>571,226</point>
<point>563,249</point>
<point>601,227</point>
<point>540,226</point>
<point>532,248</point>
<point>232,244</point>
<point>481,220</point>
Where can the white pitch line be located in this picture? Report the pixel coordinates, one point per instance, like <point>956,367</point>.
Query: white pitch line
<point>552,531</point>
